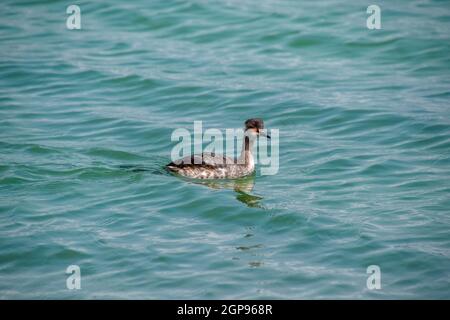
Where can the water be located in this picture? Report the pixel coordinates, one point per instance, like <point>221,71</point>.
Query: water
<point>85,123</point>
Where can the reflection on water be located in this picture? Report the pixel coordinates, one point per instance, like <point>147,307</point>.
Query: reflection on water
<point>242,186</point>
<point>250,200</point>
<point>245,248</point>
<point>251,253</point>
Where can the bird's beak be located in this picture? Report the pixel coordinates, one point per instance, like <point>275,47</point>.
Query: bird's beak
<point>264,134</point>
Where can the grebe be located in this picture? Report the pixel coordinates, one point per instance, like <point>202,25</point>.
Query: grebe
<point>212,166</point>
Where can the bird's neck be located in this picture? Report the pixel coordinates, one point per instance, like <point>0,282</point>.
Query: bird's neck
<point>246,157</point>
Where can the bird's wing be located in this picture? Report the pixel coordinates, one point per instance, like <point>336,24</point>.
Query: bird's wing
<point>204,159</point>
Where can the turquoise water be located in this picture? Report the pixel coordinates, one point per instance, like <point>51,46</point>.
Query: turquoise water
<point>85,123</point>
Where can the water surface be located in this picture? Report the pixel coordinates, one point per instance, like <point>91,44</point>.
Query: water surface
<point>85,123</point>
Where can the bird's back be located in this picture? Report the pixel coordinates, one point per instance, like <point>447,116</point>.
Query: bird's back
<point>208,166</point>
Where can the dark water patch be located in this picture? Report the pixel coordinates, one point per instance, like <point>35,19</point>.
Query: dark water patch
<point>304,42</point>
<point>11,181</point>
<point>113,154</point>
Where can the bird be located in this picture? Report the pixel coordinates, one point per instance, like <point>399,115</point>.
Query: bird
<point>212,166</point>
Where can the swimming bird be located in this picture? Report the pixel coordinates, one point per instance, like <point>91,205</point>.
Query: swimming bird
<point>212,166</point>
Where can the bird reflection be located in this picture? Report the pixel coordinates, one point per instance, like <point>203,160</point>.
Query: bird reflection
<point>243,188</point>
<point>247,252</point>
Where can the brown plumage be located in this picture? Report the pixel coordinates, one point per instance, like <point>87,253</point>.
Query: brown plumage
<point>212,166</point>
